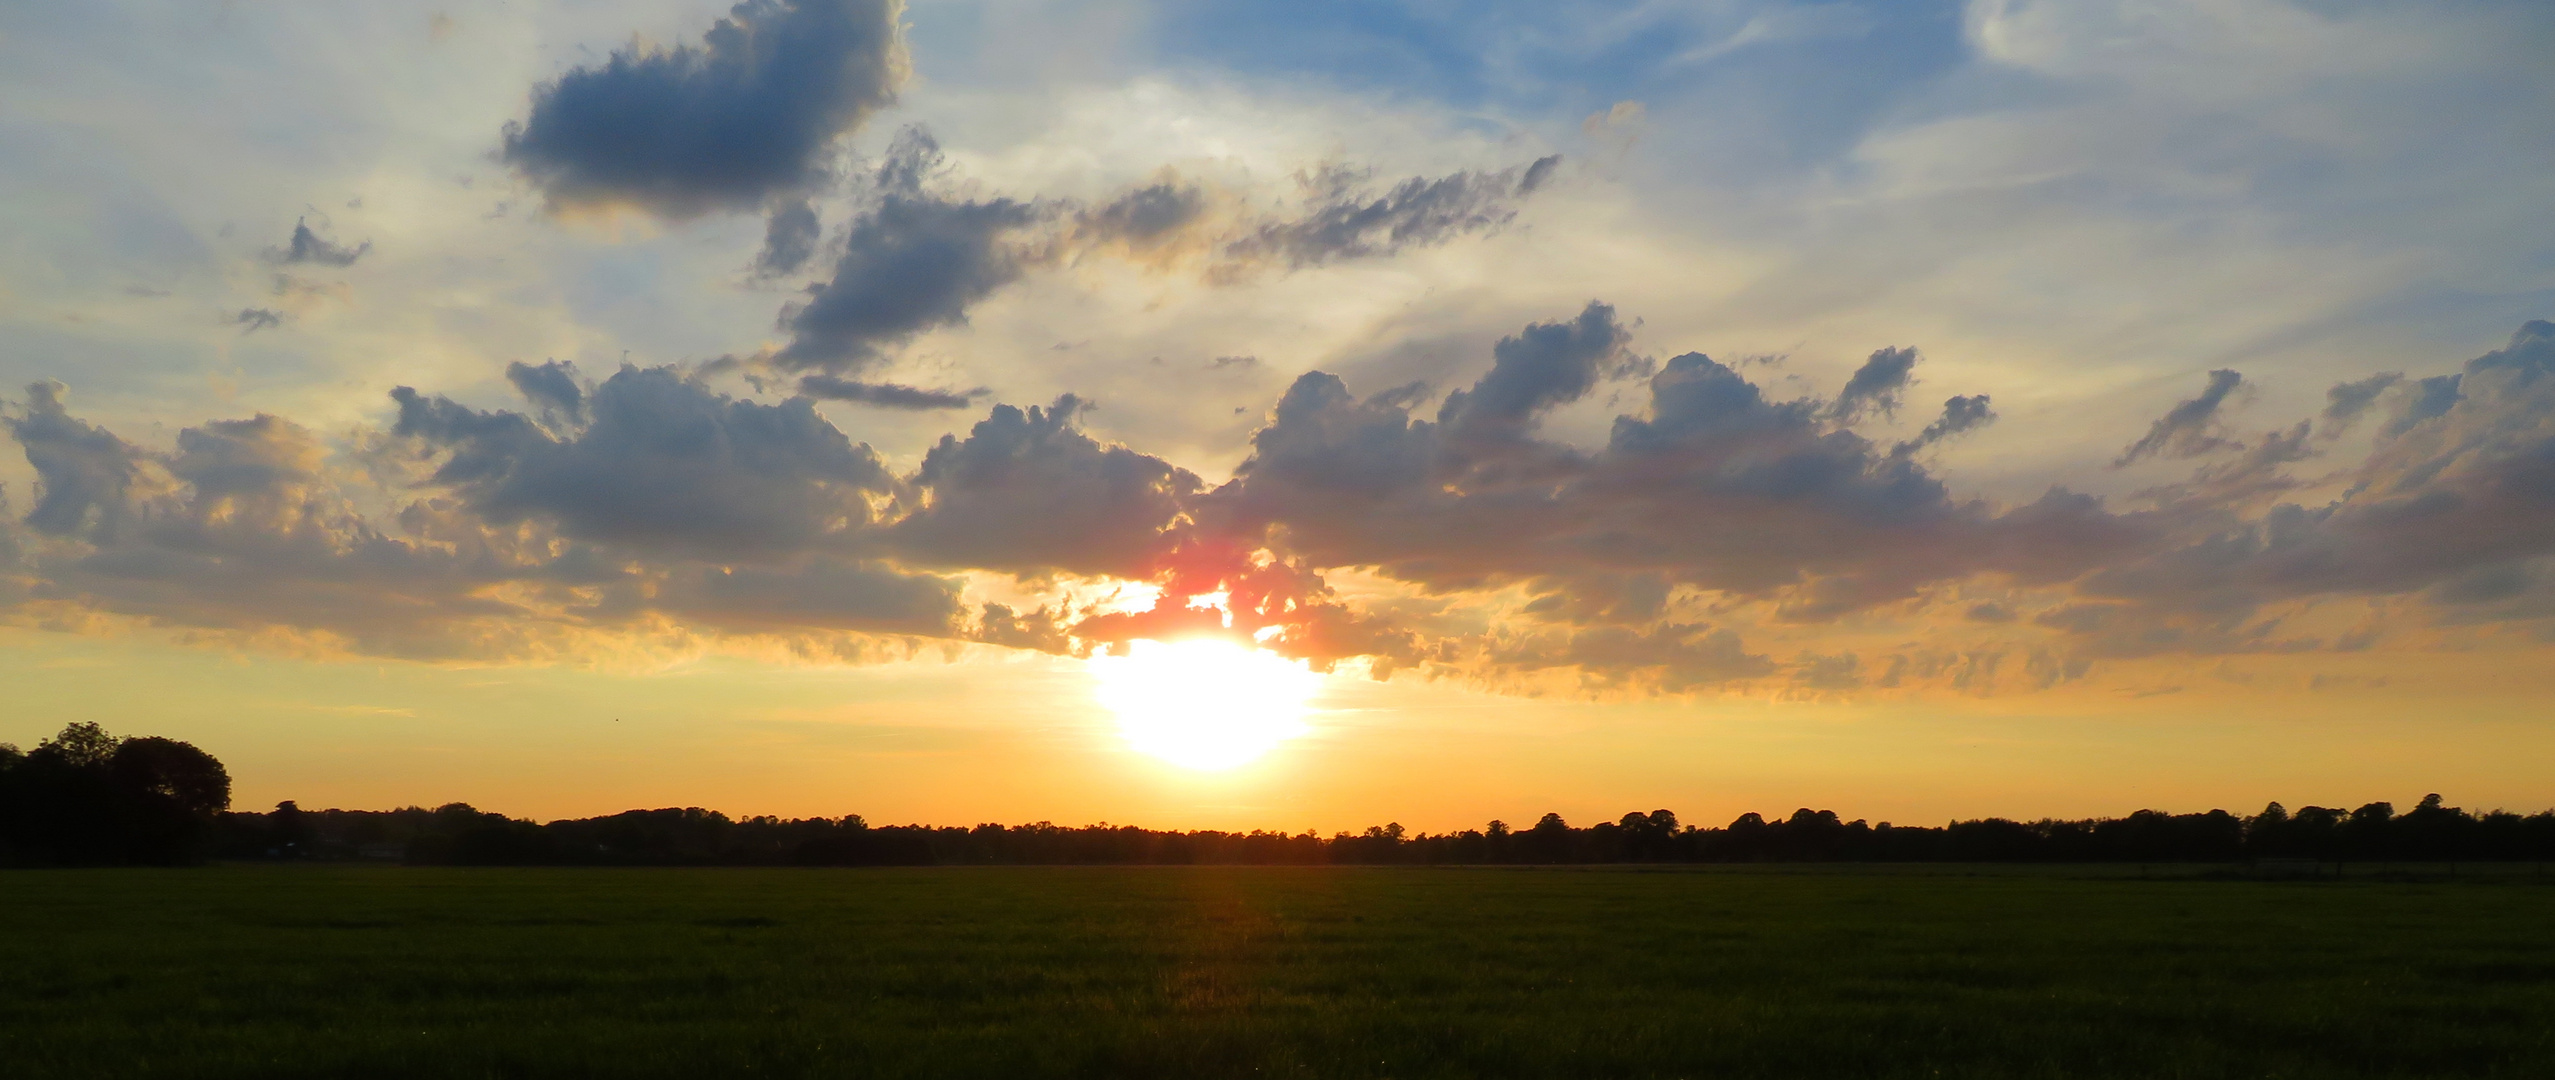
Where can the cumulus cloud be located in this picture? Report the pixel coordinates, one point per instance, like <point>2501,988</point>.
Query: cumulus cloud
<point>245,527</point>
<point>1714,486</point>
<point>664,465</point>
<point>1545,365</point>
<point>2426,399</point>
<point>87,473</point>
<point>753,111</point>
<point>2459,489</point>
<point>2346,401</point>
<point>554,388</point>
<point>1693,548</point>
<point>915,261</point>
<point>1029,492</point>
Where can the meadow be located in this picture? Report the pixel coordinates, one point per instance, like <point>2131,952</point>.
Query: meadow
<point>281,971</point>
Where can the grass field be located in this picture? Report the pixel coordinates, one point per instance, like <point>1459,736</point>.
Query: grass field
<point>1180,972</point>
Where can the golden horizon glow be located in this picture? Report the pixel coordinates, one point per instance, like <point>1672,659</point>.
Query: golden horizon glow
<point>1204,703</point>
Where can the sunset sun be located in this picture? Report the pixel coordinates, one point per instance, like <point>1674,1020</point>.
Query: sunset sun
<point>1204,703</point>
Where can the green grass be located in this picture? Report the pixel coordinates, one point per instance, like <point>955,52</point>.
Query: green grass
<point>1178,972</point>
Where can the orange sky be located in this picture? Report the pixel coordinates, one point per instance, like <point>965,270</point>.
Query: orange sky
<point>1913,409</point>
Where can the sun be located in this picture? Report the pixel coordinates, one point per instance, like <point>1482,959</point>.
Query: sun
<point>1204,703</point>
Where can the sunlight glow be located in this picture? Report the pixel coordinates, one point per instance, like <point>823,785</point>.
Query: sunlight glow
<point>1204,703</point>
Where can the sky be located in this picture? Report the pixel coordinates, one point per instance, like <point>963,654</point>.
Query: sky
<point>946,410</point>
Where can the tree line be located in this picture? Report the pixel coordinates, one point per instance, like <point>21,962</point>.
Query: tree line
<point>85,797</point>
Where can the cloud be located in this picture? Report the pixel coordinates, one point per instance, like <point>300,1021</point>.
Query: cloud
<point>1877,386</point>
<point>1148,218</point>
<point>1719,536</point>
<point>2187,430</point>
<point>1671,657</point>
<point>252,320</point>
<point>666,465</point>
<point>917,258</point>
<point>789,239</point>
<point>1961,414</point>
<point>1342,219</point>
<point>235,530</point>
<point>753,111</point>
<point>823,594</point>
<point>553,387</point>
<point>1545,365</point>
<point>87,473</point>
<point>2346,401</point>
<point>309,247</point>
<point>246,528</point>
<point>1000,624</point>
<point>2429,398</point>
<point>1027,492</point>
<point>913,262</point>
<point>2458,490</point>
<point>1714,487</point>
<point>887,395</point>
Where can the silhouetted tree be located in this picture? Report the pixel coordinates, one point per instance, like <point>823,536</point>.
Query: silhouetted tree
<point>1548,842</point>
<point>288,836</point>
<point>86,797</point>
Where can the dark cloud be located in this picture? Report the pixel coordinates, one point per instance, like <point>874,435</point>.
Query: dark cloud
<point>244,528</point>
<point>887,395</point>
<point>751,112</point>
<point>309,247</point>
<point>913,262</point>
<point>84,473</point>
<point>1545,365</point>
<point>2428,399</point>
<point>1659,560</point>
<point>2346,401</point>
<point>1713,488</point>
<point>1028,492</point>
<point>1961,414</point>
<point>789,239</point>
<point>2460,485</point>
<point>1877,386</point>
<point>252,320</point>
<point>2188,429</point>
<point>917,258</point>
<point>1342,219</point>
<point>1149,217</point>
<point>234,531</point>
<point>664,465</point>
<point>554,388</point>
